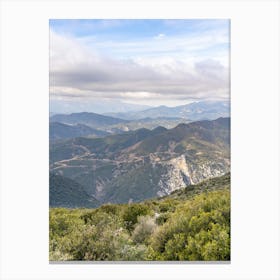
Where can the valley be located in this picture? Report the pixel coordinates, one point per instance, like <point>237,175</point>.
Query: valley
<point>144,163</point>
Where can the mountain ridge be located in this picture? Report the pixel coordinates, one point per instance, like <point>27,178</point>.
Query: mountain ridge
<point>145,163</point>
<point>92,119</point>
<point>58,131</point>
<point>190,112</point>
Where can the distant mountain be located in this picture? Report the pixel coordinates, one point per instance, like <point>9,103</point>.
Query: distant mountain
<point>101,147</point>
<point>113,125</point>
<point>200,133</point>
<point>149,123</point>
<point>65,192</point>
<point>141,164</point>
<point>58,131</point>
<point>168,117</point>
<point>96,106</point>
<point>90,119</point>
<point>207,110</point>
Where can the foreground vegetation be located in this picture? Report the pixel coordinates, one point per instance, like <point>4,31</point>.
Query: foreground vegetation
<point>191,224</point>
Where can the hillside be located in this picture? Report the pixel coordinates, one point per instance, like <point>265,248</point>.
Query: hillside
<point>58,131</point>
<point>149,123</point>
<point>198,134</point>
<point>90,119</point>
<point>141,164</point>
<point>187,225</point>
<point>206,186</point>
<point>65,192</point>
<point>101,147</point>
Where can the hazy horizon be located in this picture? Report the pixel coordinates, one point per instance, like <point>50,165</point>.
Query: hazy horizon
<point>66,108</point>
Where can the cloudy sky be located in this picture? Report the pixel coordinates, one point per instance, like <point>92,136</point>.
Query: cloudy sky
<point>148,62</point>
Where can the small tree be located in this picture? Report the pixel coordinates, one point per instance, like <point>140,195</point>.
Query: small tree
<point>131,214</point>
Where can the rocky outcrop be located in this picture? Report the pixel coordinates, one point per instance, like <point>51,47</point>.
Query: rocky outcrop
<point>181,173</point>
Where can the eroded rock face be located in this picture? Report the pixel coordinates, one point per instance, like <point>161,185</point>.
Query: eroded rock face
<point>181,173</point>
<point>178,176</point>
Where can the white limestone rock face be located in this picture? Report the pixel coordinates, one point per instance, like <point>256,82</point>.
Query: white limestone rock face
<point>181,173</point>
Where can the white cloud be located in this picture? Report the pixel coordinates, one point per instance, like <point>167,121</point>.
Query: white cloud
<point>82,68</point>
<point>179,46</point>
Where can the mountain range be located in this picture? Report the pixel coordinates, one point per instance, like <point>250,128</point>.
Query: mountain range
<point>144,163</point>
<point>207,110</point>
<point>100,107</point>
<point>169,117</point>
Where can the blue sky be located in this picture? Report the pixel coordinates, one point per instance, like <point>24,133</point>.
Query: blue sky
<point>142,28</point>
<point>150,62</point>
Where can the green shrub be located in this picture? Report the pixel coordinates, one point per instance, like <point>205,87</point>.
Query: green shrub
<point>143,229</point>
<point>197,230</point>
<point>162,218</point>
<point>131,214</point>
<point>189,229</point>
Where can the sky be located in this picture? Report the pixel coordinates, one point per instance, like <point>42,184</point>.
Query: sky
<point>99,64</point>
